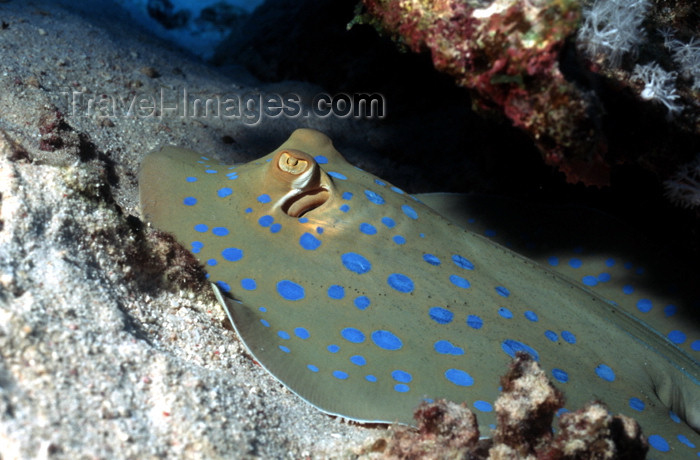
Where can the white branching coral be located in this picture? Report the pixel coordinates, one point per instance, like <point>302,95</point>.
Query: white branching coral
<point>685,55</point>
<point>659,85</point>
<point>684,187</point>
<point>613,28</point>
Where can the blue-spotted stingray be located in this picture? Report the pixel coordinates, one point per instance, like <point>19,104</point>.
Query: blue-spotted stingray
<point>364,301</point>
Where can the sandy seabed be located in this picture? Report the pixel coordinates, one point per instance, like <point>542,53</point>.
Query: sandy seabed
<point>100,355</point>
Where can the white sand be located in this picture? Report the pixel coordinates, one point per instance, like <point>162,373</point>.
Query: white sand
<point>98,357</point>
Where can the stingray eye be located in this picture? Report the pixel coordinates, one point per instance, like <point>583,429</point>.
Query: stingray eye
<point>291,164</point>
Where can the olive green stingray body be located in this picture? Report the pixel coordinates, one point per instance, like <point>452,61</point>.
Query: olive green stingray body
<point>365,302</point>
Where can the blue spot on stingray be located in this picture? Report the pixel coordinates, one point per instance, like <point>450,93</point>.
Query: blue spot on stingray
<point>686,441</point>
<point>274,228</point>
<point>191,179</point>
<point>196,246</point>
<point>312,368</point>
<point>386,340</point>
<point>510,347</point>
<point>676,337</point>
<point>674,417</point>
<point>398,239</point>
<point>368,229</point>
<point>320,159</point>
<point>483,406</point>
<point>553,261</point>
<point>356,263</point>
<point>248,210</point>
<point>605,372</point>
<point>568,337</point>
<point>644,305</point>
<point>628,289</point>
<point>232,176</point>
<point>589,280</point>
<point>505,313</point>
<point>637,404</point>
<point>388,221</point>
<point>374,197</point>
<point>459,377</point>
<point>224,192</point>
<point>345,208</point>
<point>446,348</point>
<point>604,277</point>
<point>658,443</point>
<point>370,378</point>
<point>532,316</point>
<point>319,230</point>
<point>284,335</point>
<point>401,387</point>
<point>340,375</point>
<point>441,315</point>
<point>266,221</point>
<point>462,262</point>
<point>309,242</point>
<point>670,310</point>
<point>190,201</point>
<point>358,360</point>
<point>336,292</point>
<point>401,376</point>
<point>232,254</point>
<point>223,286</point>
<point>409,211</point>
<point>560,375</point>
<point>264,198</point>
<point>502,291</point>
<point>284,349</point>
<point>400,282</point>
<point>380,182</point>
<point>610,262</point>
<point>333,348</point>
<point>353,335</point>
<point>337,175</point>
<point>575,263</point>
<point>431,259</point>
<point>265,323</point>
<point>248,284</point>
<point>211,171</point>
<point>475,322</point>
<point>551,335</point>
<point>361,302</point>
<point>397,190</point>
<point>290,290</point>
<point>347,195</point>
<point>220,231</point>
<point>201,228</point>
<point>303,220</point>
<point>459,281</point>
<point>302,333</point>
<point>695,346</point>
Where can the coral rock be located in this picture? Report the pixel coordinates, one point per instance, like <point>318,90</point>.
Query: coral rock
<point>507,55</point>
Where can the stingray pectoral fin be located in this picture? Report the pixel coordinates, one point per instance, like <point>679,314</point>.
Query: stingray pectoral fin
<point>677,385</point>
<point>159,172</point>
<point>452,206</point>
<point>292,369</point>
